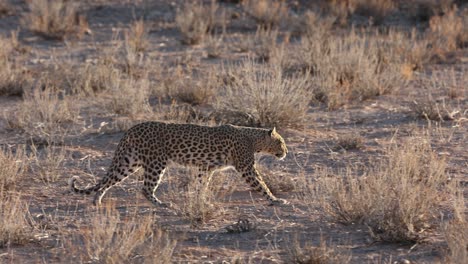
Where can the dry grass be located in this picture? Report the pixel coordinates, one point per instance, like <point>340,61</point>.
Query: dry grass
<point>349,141</point>
<point>44,111</point>
<point>321,254</point>
<point>447,32</point>
<point>12,168</point>
<point>14,228</point>
<point>412,176</point>
<point>264,44</point>
<point>13,79</point>
<point>48,162</point>
<point>137,36</point>
<point>130,97</point>
<point>196,198</point>
<point>112,238</point>
<point>267,13</point>
<point>184,86</point>
<point>195,20</point>
<point>262,91</point>
<point>55,19</point>
<point>456,230</point>
<point>429,109</point>
<point>348,68</point>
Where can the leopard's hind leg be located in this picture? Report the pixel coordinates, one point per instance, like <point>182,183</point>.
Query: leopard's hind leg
<point>154,172</point>
<point>121,168</point>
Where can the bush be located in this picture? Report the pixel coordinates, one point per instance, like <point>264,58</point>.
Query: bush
<point>262,91</point>
<point>398,198</point>
<point>55,19</point>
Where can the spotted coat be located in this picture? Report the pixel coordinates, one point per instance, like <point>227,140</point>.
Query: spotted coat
<point>152,145</point>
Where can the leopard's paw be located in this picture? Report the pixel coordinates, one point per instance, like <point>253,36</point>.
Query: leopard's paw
<point>279,202</point>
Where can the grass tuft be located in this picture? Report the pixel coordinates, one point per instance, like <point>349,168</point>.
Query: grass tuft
<point>263,92</point>
<point>412,177</point>
<point>55,19</point>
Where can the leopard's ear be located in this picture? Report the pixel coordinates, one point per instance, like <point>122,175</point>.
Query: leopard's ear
<point>270,132</point>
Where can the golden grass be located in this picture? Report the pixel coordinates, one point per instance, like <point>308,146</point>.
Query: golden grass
<point>398,198</point>
<point>12,168</point>
<point>13,79</point>
<point>48,162</point>
<point>197,199</point>
<point>137,36</point>
<point>321,254</point>
<point>262,91</point>
<point>195,20</point>
<point>55,19</point>
<point>447,32</point>
<point>14,228</point>
<point>267,13</point>
<point>348,68</point>
<point>112,238</point>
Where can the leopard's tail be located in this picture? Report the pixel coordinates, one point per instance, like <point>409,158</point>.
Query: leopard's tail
<point>89,190</point>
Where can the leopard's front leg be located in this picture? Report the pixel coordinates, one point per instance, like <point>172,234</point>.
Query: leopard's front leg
<point>254,179</point>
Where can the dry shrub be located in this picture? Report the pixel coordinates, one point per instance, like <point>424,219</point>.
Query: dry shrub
<point>347,68</point>
<point>411,50</point>
<point>214,46</point>
<point>43,112</point>
<point>321,254</point>
<point>349,141</point>
<point>48,162</point>
<point>137,36</point>
<point>456,230</point>
<point>91,78</point>
<point>55,19</point>
<point>184,86</point>
<point>398,198</point>
<point>111,238</point>
<point>430,109</point>
<point>14,228</point>
<point>267,13</point>
<point>197,196</point>
<point>130,97</point>
<point>195,20</point>
<point>263,92</point>
<point>265,45</point>
<point>447,32</point>
<point>12,167</point>
<point>13,78</point>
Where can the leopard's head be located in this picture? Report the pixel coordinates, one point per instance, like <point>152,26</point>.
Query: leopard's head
<point>275,145</point>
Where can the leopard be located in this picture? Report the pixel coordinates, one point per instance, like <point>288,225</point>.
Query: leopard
<point>153,145</point>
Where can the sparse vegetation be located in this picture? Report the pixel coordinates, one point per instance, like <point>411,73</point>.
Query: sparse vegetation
<point>323,253</point>
<point>349,142</point>
<point>12,167</point>
<point>267,13</point>
<point>447,32</point>
<point>113,239</point>
<point>55,19</point>
<point>351,85</point>
<point>14,229</point>
<point>413,176</point>
<point>263,92</point>
<point>195,20</point>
